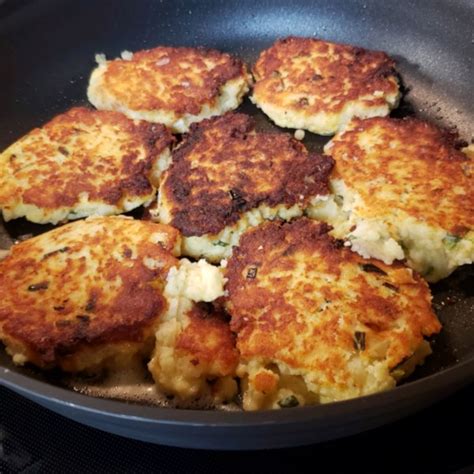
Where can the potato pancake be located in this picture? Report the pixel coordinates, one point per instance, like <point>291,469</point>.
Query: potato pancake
<point>316,85</point>
<point>402,189</point>
<point>316,322</point>
<point>83,162</point>
<point>86,294</point>
<point>226,177</point>
<point>172,86</point>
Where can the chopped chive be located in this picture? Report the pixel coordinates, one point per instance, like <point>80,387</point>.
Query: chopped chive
<point>220,243</point>
<point>371,268</point>
<point>289,402</point>
<point>338,199</point>
<point>234,194</point>
<point>63,151</point>
<point>451,240</point>
<point>428,271</point>
<point>39,286</point>
<point>252,273</point>
<point>390,286</point>
<point>55,252</point>
<point>359,340</point>
<point>90,306</point>
<point>83,318</point>
<point>237,199</point>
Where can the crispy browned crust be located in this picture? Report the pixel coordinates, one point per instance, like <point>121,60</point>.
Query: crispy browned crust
<point>411,165</point>
<point>209,340</point>
<point>224,168</point>
<point>39,179</point>
<point>55,304</point>
<point>174,79</point>
<point>297,296</point>
<point>332,74</point>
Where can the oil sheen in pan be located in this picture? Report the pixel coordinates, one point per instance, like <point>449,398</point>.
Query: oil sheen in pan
<point>135,385</point>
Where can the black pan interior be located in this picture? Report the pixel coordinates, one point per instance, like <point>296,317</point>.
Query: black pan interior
<point>47,51</point>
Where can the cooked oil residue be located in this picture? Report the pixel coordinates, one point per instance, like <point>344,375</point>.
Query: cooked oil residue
<point>134,385</point>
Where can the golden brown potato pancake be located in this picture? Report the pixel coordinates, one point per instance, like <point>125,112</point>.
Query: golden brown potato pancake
<point>316,322</point>
<point>86,295</point>
<point>83,162</point>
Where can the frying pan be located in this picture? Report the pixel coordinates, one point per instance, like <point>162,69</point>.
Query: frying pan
<point>47,49</point>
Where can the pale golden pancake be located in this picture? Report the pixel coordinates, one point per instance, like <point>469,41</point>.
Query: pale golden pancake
<point>173,86</point>
<point>402,189</point>
<point>316,85</point>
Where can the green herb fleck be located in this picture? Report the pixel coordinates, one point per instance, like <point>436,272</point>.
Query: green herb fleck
<point>237,198</point>
<point>428,271</point>
<point>371,268</point>
<point>359,340</point>
<point>339,200</point>
<point>63,151</point>
<point>289,402</point>
<point>39,286</point>
<point>220,243</point>
<point>390,286</point>
<point>83,318</point>
<point>55,252</point>
<point>252,273</point>
<point>451,240</point>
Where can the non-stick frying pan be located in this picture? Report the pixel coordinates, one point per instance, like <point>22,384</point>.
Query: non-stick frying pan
<point>46,54</point>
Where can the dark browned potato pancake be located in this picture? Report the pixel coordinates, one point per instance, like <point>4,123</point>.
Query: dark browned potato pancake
<point>173,86</point>
<point>316,322</point>
<point>87,294</point>
<point>226,177</point>
<point>316,85</point>
<point>402,189</point>
<point>83,162</point>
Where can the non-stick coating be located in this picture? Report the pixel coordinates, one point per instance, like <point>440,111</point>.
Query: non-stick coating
<point>47,52</point>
